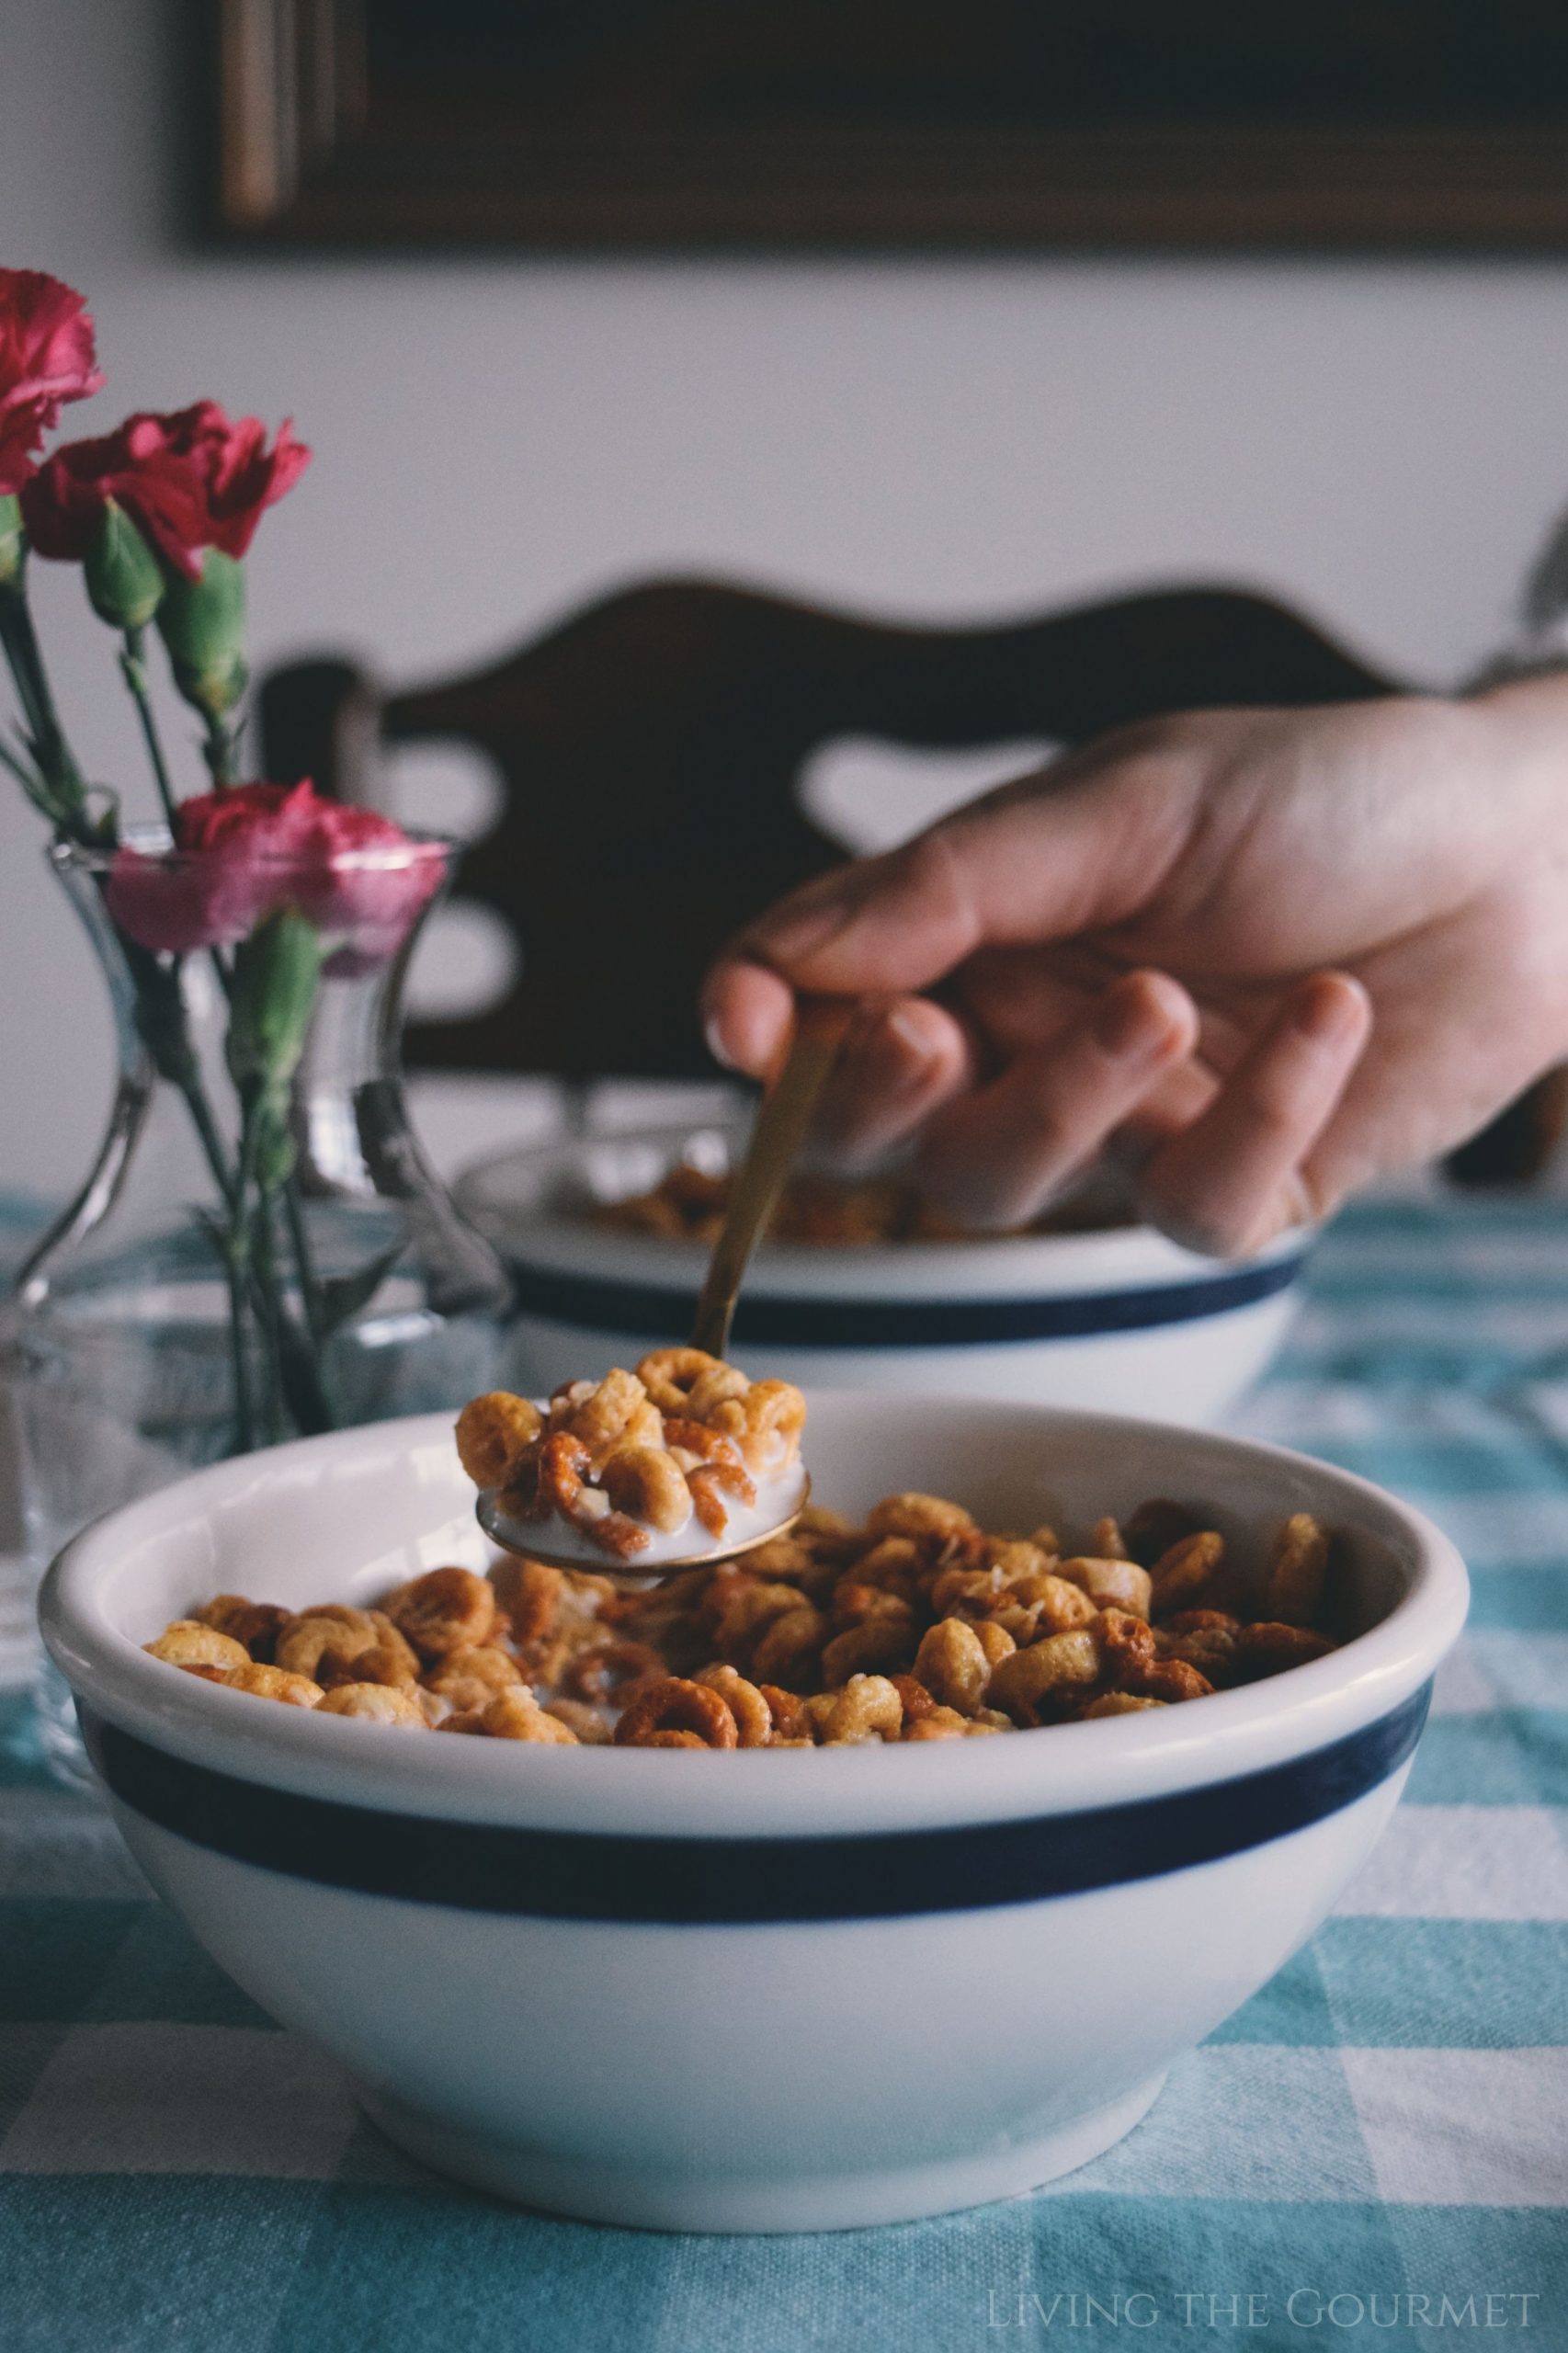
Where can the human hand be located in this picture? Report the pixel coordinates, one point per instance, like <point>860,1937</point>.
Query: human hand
<point>1259,956</point>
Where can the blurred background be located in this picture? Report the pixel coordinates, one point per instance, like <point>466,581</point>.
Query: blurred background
<point>501,435</point>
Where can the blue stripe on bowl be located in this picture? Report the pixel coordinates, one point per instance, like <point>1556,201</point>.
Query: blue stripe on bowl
<point>653,1311</point>
<point>573,1875</point>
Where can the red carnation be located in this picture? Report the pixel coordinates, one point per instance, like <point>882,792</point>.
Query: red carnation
<point>241,853</point>
<point>190,481</point>
<point>46,360</point>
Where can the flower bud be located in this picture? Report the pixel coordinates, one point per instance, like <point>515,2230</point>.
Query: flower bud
<point>12,546</point>
<point>124,578</point>
<point>276,971</point>
<point>202,622</point>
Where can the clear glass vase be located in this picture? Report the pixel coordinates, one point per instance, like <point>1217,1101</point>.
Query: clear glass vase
<point>261,1251</point>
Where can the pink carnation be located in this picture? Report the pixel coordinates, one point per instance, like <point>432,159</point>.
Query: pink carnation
<point>46,360</point>
<point>243,853</point>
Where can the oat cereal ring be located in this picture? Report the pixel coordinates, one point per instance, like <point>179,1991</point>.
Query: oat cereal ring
<point>1120,1703</point>
<point>1056,1603</point>
<point>1127,1645</point>
<point>599,1672</point>
<point>275,1683</point>
<point>378,1664</point>
<point>774,1413</point>
<point>444,1610</point>
<point>516,1714</point>
<point>591,1729</point>
<point>1269,1646</point>
<point>953,1665</point>
<point>1107,1542</point>
<point>302,1644</point>
<point>1172,1679</point>
<point>713,1389</point>
<point>1155,1528</point>
<point>1293,1594</point>
<point>791,1726</point>
<point>205,1673</point>
<point>649,1484</point>
<point>375,1704</point>
<point>916,1702</point>
<point>993,1640</point>
<point>471,1678</point>
<point>881,1646</point>
<point>1046,1671</point>
<point>529,1593</point>
<point>1111,1583</point>
<point>788,1648</point>
<point>677,1704</point>
<point>673,1740</point>
<point>186,1642</point>
<point>257,1624</point>
<point>941,1723</point>
<point>493,1433</point>
<point>562,1464</point>
<point>867,1707</point>
<point>601,1419</point>
<point>754,1717</point>
<point>916,1514</point>
<point>669,1376</point>
<point>1187,1570</point>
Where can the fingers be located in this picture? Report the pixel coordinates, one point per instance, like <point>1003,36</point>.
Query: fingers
<point>900,1062</point>
<point>745,1014</point>
<point>995,1156</point>
<point>1241,1172</point>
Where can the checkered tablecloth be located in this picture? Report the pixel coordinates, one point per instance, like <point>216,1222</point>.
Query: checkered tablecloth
<point>1374,2151</point>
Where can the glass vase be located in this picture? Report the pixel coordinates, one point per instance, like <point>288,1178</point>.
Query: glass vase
<point>261,1251</point>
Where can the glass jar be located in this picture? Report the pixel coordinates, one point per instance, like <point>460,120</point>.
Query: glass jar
<point>261,1251</point>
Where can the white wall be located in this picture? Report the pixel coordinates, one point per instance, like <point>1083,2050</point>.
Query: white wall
<point>499,438</point>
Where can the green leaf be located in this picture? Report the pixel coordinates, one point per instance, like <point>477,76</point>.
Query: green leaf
<point>343,1296</point>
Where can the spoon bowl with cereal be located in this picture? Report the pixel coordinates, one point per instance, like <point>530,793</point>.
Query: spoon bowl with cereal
<point>684,1462</point>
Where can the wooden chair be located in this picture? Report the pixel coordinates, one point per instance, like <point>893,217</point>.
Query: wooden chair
<point>651,744</point>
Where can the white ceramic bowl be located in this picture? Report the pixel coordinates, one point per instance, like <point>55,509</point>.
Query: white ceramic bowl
<point>743,1991</point>
<point>1120,1321</point>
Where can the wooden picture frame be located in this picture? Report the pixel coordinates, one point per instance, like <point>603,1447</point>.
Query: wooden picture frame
<point>895,123</point>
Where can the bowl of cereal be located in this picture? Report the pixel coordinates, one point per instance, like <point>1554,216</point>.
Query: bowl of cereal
<point>606,1238</point>
<point>873,1875</point>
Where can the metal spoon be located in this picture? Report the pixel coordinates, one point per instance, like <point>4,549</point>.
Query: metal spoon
<point>781,1123</point>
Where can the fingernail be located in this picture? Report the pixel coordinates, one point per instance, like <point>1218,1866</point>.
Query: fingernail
<point>1325,1015</point>
<point>1122,1026</point>
<point>716,1046</point>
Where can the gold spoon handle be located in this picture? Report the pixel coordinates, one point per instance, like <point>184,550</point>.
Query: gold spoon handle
<point>781,1124</point>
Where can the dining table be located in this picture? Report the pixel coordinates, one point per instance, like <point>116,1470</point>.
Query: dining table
<point>1374,2150</point>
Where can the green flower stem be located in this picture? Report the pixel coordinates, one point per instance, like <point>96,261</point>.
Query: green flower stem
<point>134,669</point>
<point>221,751</point>
<point>25,660</point>
<point>244,1403</point>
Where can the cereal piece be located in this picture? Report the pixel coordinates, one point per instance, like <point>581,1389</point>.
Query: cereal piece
<point>917,1702</point>
<point>601,1419</point>
<point>1155,1528</point>
<point>444,1610</point>
<point>275,1683</point>
<point>1186,1570</point>
<point>375,1704</point>
<point>648,1484</point>
<point>493,1433</point>
<point>601,1671</point>
<point>791,1726</point>
<point>1044,1672</point>
<point>746,1609</point>
<point>1127,1646</point>
<point>1056,1605</point>
<point>432,1707</point>
<point>882,1645</point>
<point>471,1678</point>
<point>669,1376</point>
<point>754,1718</point>
<point>205,1672</point>
<point>677,1704</point>
<point>516,1714</point>
<point>1107,1542</point>
<point>673,1740</point>
<point>913,1514</point>
<point>530,1595</point>
<point>302,1644</point>
<point>1045,1540</point>
<point>952,1666</point>
<point>1268,1647</point>
<point>867,1707</point>
<point>967,1593</point>
<point>1173,1679</point>
<point>1014,1558</point>
<point>714,1389</point>
<point>995,1641</point>
<point>257,1624</point>
<point>941,1723</point>
<point>1120,1703</point>
<point>1293,1594</point>
<point>590,1728</point>
<point>471,1720</point>
<point>714,1486</point>
<point>1111,1583</point>
<point>186,1642</point>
